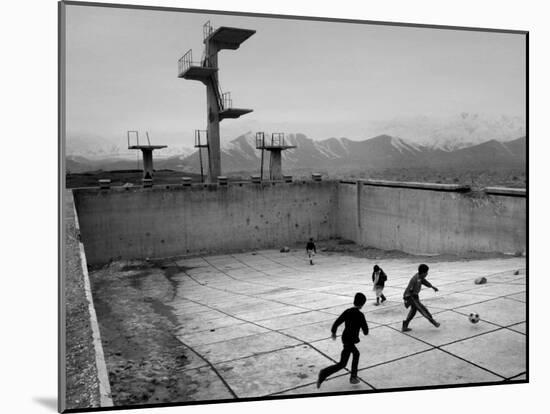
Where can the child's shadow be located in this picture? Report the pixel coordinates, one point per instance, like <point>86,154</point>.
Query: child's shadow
<point>48,402</point>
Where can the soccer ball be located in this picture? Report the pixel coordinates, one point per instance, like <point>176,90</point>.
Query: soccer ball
<point>473,317</point>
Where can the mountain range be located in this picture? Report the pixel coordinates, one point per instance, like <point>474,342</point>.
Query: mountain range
<point>452,132</point>
<point>333,155</point>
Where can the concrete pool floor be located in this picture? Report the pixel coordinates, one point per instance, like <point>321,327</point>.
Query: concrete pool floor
<point>258,324</point>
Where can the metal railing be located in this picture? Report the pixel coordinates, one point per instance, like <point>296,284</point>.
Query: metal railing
<point>200,144</point>
<point>186,61</point>
<point>201,138</point>
<point>277,140</point>
<point>260,140</point>
<point>135,133</point>
<point>207,30</point>
<point>226,101</point>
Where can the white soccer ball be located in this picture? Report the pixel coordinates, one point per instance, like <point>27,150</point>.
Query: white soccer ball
<point>473,317</point>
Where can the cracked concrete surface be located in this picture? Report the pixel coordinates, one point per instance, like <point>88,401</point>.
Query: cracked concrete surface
<point>260,322</point>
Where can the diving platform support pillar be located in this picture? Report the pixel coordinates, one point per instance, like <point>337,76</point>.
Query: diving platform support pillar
<point>213,121</point>
<point>147,162</point>
<point>276,165</point>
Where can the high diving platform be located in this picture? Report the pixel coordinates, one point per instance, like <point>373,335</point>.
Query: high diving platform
<point>226,37</point>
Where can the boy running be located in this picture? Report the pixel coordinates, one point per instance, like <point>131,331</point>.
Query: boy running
<point>311,250</point>
<point>354,321</point>
<point>378,279</point>
<point>412,299</point>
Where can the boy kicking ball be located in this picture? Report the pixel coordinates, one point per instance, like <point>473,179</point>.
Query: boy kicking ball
<point>412,299</point>
<point>354,321</point>
<point>311,250</point>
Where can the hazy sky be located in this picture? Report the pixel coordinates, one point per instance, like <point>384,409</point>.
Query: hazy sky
<point>320,78</point>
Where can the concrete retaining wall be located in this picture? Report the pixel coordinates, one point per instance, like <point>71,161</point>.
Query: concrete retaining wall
<point>162,222</point>
<point>347,219</point>
<point>416,218</point>
<point>431,219</point>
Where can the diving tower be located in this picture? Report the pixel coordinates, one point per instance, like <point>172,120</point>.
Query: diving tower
<point>275,145</point>
<point>146,150</point>
<point>219,104</point>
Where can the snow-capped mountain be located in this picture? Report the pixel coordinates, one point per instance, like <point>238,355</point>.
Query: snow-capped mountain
<point>96,148</point>
<point>384,151</point>
<point>451,133</point>
<point>331,155</point>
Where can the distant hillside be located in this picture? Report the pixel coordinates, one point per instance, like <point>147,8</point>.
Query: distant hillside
<point>335,155</point>
<point>384,151</point>
<point>76,164</point>
<point>490,155</point>
<point>125,177</point>
<point>452,132</point>
<point>97,148</point>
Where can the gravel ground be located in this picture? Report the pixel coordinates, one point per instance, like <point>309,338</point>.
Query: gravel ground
<point>348,247</point>
<point>145,361</point>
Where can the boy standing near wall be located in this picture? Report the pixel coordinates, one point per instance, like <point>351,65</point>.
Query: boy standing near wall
<point>379,279</point>
<point>354,321</point>
<point>311,250</point>
<point>412,299</point>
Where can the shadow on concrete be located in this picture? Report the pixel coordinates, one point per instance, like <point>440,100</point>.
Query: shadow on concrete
<point>48,402</point>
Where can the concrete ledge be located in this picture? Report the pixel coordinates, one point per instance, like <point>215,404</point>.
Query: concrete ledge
<point>416,185</point>
<point>102,373</point>
<point>202,186</point>
<point>505,191</point>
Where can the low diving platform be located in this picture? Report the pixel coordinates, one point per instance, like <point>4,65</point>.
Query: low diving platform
<point>147,147</point>
<point>233,113</point>
<point>277,142</point>
<point>275,145</point>
<point>146,150</point>
<point>226,108</point>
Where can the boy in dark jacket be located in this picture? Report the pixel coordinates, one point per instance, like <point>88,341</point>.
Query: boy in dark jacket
<point>379,279</point>
<point>311,250</point>
<point>412,299</point>
<point>354,321</point>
